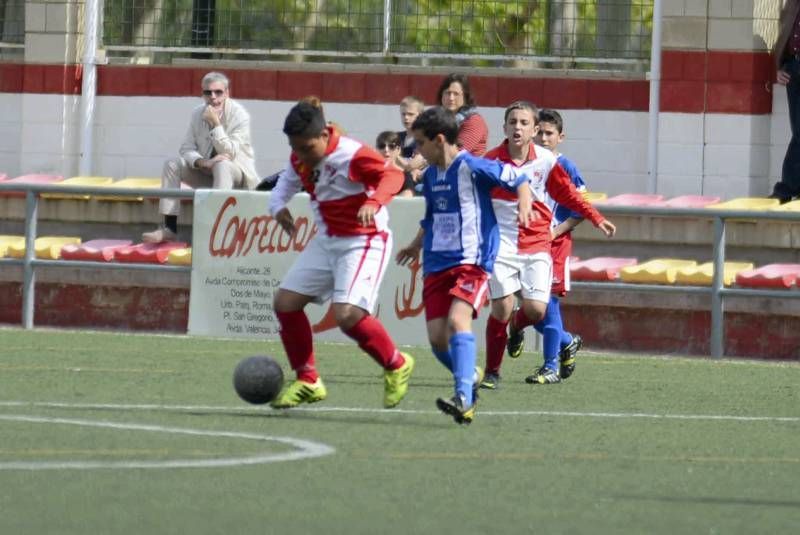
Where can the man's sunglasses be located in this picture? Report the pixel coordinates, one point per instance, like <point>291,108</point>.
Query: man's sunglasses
<point>391,146</point>
<point>215,92</point>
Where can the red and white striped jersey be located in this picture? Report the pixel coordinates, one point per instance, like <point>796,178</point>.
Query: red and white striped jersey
<point>548,181</point>
<point>350,175</point>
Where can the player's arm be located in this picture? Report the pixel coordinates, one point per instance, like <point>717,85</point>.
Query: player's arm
<point>410,252</point>
<point>386,180</point>
<point>566,226</point>
<point>287,186</point>
<point>561,188</point>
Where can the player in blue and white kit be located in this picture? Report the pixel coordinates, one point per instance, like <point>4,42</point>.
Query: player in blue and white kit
<point>460,239</point>
<point>558,346</point>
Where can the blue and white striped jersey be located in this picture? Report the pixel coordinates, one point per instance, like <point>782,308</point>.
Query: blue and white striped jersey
<point>459,224</point>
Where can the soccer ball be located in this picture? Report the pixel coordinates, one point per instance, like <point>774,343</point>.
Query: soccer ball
<point>258,379</point>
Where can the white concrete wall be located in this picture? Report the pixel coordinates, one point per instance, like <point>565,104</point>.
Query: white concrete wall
<point>710,154</point>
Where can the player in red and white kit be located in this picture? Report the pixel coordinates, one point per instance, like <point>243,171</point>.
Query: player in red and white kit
<point>523,262</point>
<point>349,185</point>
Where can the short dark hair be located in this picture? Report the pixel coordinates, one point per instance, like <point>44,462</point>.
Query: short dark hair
<point>304,120</point>
<point>522,105</point>
<point>469,101</point>
<point>547,115</point>
<point>435,121</point>
<point>387,137</point>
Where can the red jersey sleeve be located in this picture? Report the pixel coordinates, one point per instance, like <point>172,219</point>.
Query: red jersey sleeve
<point>383,179</point>
<point>561,188</point>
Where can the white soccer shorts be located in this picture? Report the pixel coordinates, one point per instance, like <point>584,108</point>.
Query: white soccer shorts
<point>345,269</point>
<point>532,274</point>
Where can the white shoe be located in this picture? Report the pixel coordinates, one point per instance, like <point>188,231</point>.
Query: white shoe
<point>159,235</point>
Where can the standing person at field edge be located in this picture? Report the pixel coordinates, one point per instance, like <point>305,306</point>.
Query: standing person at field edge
<point>216,153</point>
<point>786,54</point>
<point>349,185</point>
<point>459,237</point>
<point>456,96</point>
<point>523,261</point>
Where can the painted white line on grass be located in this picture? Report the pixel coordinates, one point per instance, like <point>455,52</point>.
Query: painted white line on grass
<point>251,409</point>
<point>304,449</point>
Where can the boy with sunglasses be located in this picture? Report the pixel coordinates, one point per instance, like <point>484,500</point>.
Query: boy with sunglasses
<point>216,153</point>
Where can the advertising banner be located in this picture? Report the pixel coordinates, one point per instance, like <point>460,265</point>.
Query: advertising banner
<point>240,255</point>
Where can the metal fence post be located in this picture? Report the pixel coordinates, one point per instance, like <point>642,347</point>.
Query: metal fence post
<point>29,275</point>
<point>717,305</point>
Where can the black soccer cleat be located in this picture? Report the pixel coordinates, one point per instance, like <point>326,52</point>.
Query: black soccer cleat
<point>567,356</point>
<point>456,408</point>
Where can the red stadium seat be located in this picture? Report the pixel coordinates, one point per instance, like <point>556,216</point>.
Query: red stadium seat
<point>94,250</point>
<point>147,253</point>
<point>631,199</point>
<point>690,201</point>
<point>3,176</point>
<point>29,179</point>
<point>602,268</point>
<point>770,276</point>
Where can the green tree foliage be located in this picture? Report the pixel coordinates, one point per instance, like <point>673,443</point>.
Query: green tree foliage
<point>509,28</point>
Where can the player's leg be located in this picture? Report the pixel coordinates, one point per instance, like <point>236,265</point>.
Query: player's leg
<point>308,280</point>
<point>503,284</point>
<point>569,344</point>
<point>360,263</point>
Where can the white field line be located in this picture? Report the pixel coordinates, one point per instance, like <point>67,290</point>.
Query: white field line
<point>250,409</point>
<point>304,449</point>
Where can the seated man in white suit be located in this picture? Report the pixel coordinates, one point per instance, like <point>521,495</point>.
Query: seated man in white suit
<point>216,153</point>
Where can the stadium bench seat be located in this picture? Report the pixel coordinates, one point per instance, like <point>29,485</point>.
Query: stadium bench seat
<point>702,275</point>
<point>131,182</point>
<point>94,250</point>
<point>632,199</point>
<point>690,201</point>
<point>594,196</point>
<point>147,253</point>
<point>46,247</point>
<point>746,203</point>
<point>792,206</point>
<point>180,257</point>
<point>29,179</point>
<point>601,268</point>
<point>781,276</point>
<point>655,271</point>
<point>93,181</point>
<point>7,241</point>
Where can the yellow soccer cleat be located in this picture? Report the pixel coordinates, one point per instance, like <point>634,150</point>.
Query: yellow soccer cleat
<point>298,392</point>
<point>395,382</point>
<point>516,340</point>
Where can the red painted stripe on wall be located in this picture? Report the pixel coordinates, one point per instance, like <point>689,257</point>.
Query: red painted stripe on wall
<point>692,82</point>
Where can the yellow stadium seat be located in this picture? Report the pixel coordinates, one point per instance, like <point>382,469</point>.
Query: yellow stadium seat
<point>47,247</point>
<point>180,257</point>
<point>7,241</point>
<point>94,181</point>
<point>702,274</point>
<point>656,271</point>
<point>746,203</point>
<point>130,182</point>
<point>594,196</point>
<point>793,206</point>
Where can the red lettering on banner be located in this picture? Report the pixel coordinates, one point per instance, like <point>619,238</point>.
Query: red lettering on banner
<point>233,235</point>
<point>406,309</point>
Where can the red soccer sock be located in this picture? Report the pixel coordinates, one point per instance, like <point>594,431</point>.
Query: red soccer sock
<point>296,337</point>
<point>375,341</point>
<point>521,320</point>
<point>496,338</point>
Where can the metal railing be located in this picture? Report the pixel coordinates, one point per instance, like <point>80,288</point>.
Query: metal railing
<point>30,262</point>
<point>717,291</point>
<point>614,32</point>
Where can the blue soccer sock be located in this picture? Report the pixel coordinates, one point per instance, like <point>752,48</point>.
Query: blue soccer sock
<point>554,308</point>
<point>463,352</point>
<point>444,357</point>
<point>552,334</point>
